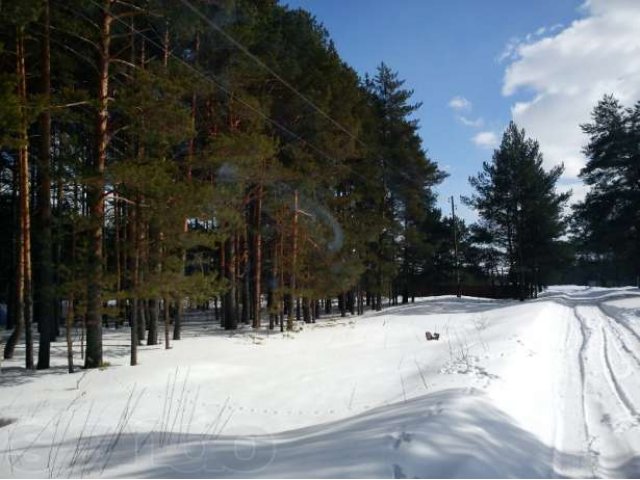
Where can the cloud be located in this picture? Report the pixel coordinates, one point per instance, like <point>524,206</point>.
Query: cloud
<point>469,122</point>
<point>486,140</point>
<point>511,49</point>
<point>460,104</point>
<point>568,72</point>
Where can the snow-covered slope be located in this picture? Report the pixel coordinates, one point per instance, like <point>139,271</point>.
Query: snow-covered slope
<point>545,388</point>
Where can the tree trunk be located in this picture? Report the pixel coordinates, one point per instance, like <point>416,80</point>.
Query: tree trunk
<point>142,320</point>
<point>133,270</point>
<point>246,277</point>
<point>294,257</point>
<point>133,360</point>
<point>43,298</point>
<point>306,307</point>
<point>117,223</point>
<point>141,235</point>
<point>154,314</point>
<point>23,303</point>
<point>230,317</point>
<point>257,264</point>
<point>167,323</point>
<point>71,313</point>
<point>95,200</point>
<point>352,303</point>
<point>23,273</point>
<point>236,276</point>
<point>177,320</point>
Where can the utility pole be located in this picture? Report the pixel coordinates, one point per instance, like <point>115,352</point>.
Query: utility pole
<point>455,246</point>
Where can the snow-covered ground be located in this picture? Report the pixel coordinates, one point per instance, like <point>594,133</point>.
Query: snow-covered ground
<point>550,387</point>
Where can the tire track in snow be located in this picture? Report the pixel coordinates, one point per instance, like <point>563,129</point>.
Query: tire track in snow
<point>626,355</point>
<point>606,406</point>
<point>614,383</point>
<point>616,326</point>
<point>619,321</point>
<point>570,414</point>
<point>585,334</point>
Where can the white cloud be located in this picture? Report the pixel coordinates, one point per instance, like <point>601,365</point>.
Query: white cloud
<point>486,140</point>
<point>569,72</point>
<point>470,122</point>
<point>460,104</point>
<point>510,51</point>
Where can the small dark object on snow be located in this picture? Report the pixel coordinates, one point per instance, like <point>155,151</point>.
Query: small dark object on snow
<point>434,336</point>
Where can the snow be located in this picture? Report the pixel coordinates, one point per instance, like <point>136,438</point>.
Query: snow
<point>544,388</point>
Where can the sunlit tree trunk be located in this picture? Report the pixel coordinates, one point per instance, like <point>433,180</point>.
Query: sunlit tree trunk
<point>23,273</point>
<point>95,198</point>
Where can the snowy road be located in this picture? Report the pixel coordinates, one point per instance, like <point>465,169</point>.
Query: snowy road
<point>545,388</point>
<point>608,355</point>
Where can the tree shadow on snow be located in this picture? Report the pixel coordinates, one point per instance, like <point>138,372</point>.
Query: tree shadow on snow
<point>452,433</point>
<point>446,305</point>
<point>12,376</point>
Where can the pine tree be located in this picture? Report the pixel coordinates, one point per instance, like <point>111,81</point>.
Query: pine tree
<point>607,222</point>
<point>19,16</point>
<point>407,176</point>
<point>516,199</point>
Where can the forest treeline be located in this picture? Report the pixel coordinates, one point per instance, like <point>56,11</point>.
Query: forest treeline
<point>158,154</point>
<point>161,155</point>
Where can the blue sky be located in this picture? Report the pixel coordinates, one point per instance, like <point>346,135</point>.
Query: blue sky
<point>446,49</point>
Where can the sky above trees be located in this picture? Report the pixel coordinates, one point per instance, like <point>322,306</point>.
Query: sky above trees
<point>477,65</point>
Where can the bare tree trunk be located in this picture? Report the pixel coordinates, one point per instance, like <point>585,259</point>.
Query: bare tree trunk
<point>134,267</point>
<point>43,304</point>
<point>294,256</point>
<point>281,301</point>
<point>23,206</point>
<point>95,199</point>
<point>246,276</point>
<point>257,266</point>
<point>141,239</point>
<point>71,311</point>
<point>236,276</point>
<point>274,304</point>
<point>69,326</point>
<point>117,222</point>
<point>230,316</point>
<point>177,320</point>
<point>306,308</point>
<point>23,273</point>
<point>25,214</point>
<point>167,323</point>
<point>154,314</point>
